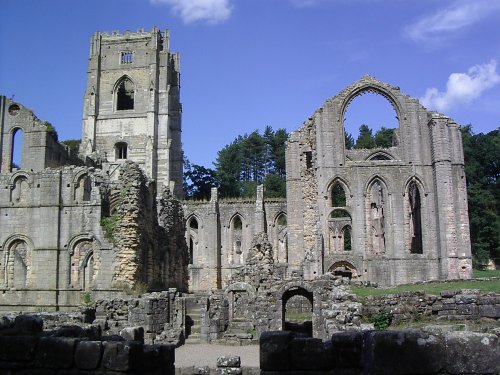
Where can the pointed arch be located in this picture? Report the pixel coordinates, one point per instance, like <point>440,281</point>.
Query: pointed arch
<point>338,220</point>
<point>82,187</point>
<point>17,138</point>
<point>124,93</point>
<point>192,237</point>
<point>281,242</point>
<point>343,191</point>
<point>376,207</point>
<point>413,211</point>
<point>20,185</point>
<point>83,261</point>
<point>344,268</point>
<point>380,155</point>
<point>237,237</point>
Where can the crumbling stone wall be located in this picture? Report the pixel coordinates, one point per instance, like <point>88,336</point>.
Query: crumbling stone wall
<point>257,296</point>
<point>381,352</point>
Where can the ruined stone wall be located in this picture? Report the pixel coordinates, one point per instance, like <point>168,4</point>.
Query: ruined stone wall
<point>461,305</point>
<point>218,249</point>
<point>404,205</point>
<point>52,245</point>
<point>41,148</point>
<point>381,352</point>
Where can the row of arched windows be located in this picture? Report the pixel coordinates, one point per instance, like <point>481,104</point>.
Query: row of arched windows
<point>340,221</point>
<point>17,258</point>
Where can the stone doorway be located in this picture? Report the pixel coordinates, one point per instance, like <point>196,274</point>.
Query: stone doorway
<point>297,311</point>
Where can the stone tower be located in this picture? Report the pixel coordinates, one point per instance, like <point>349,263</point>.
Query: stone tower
<point>132,109</point>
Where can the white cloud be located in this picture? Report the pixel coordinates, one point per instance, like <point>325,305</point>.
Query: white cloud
<point>462,87</point>
<point>460,14</point>
<point>211,11</point>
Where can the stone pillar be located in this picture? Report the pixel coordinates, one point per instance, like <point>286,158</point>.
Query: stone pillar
<point>259,223</point>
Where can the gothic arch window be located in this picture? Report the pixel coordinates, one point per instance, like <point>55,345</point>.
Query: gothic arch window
<point>193,239</point>
<point>415,213</point>
<point>237,240</point>
<point>380,156</point>
<point>346,238</point>
<point>344,269</point>
<point>338,195</point>
<point>125,94</point>
<point>82,270</point>
<point>121,151</point>
<point>16,157</point>
<point>83,189</point>
<point>371,108</point>
<point>339,231</point>
<point>377,204</point>
<point>281,253</point>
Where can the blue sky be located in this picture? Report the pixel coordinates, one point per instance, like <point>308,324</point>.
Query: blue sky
<point>246,64</point>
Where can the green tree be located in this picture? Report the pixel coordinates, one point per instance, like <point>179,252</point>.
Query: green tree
<point>383,137</point>
<point>365,138</point>
<point>73,145</point>
<point>198,181</point>
<point>349,140</point>
<point>482,169</point>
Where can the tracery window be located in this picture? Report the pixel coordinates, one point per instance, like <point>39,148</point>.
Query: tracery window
<point>125,93</point>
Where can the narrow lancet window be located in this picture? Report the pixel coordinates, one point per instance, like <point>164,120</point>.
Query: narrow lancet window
<point>415,219</point>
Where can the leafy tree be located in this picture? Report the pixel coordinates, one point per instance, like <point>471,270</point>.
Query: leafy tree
<point>482,169</point>
<point>349,140</point>
<point>73,145</point>
<point>383,137</point>
<point>365,138</point>
<point>247,162</point>
<point>198,181</point>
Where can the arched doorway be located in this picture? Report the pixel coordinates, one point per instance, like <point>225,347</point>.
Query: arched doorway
<point>343,268</point>
<point>297,311</point>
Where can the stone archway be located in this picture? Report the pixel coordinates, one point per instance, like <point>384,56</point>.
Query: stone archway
<point>344,268</point>
<point>240,297</point>
<point>301,326</point>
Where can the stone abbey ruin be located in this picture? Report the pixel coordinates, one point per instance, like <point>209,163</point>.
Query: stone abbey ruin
<point>113,218</point>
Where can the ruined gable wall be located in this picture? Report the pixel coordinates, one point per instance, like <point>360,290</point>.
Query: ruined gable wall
<point>411,160</point>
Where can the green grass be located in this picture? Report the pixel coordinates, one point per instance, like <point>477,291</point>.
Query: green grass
<point>486,273</point>
<point>298,316</point>
<point>431,288</point>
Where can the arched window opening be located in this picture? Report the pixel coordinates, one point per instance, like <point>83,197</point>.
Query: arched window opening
<point>338,196</point>
<point>88,272</point>
<point>298,311</point>
<point>237,240</point>
<point>380,157</point>
<point>121,149</point>
<point>82,265</point>
<point>415,219</point>
<point>193,239</point>
<point>83,189</point>
<point>125,95</point>
<point>339,231</point>
<point>376,218</point>
<point>16,157</point>
<point>346,235</point>
<point>371,120</point>
<point>21,190</point>
<point>17,265</point>
<point>281,253</point>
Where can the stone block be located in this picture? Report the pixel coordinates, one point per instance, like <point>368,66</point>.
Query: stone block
<point>133,334</point>
<point>228,371</point>
<point>55,352</point>
<point>122,356</point>
<point>303,350</point>
<point>489,311</point>
<point>88,354</point>
<point>346,349</point>
<point>403,352</point>
<point>472,353</point>
<point>28,324</point>
<point>151,358</point>
<point>229,361</point>
<point>167,353</point>
<point>17,348</point>
<point>275,350</point>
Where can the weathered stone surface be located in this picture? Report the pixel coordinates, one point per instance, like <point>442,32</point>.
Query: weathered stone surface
<point>88,355</point>
<point>226,361</point>
<point>17,348</point>
<point>346,349</point>
<point>122,356</point>
<point>472,353</point>
<point>28,324</point>
<point>55,352</point>
<point>275,351</point>
<point>133,334</point>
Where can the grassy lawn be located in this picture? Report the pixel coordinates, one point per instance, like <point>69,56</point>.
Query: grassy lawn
<point>486,273</point>
<point>436,288</point>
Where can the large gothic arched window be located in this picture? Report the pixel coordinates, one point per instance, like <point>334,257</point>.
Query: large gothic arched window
<point>125,92</point>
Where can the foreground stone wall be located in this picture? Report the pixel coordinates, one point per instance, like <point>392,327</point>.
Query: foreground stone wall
<point>381,352</point>
<point>26,349</point>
